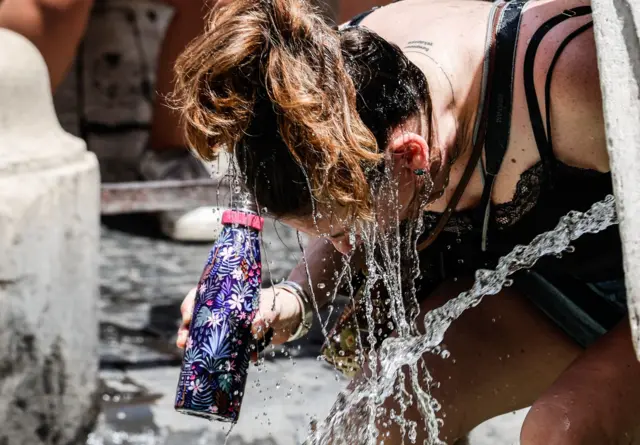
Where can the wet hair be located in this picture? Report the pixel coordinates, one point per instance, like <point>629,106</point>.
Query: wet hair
<point>307,110</point>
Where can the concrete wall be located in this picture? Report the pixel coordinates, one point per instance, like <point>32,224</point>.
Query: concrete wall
<point>49,226</point>
<point>617,31</point>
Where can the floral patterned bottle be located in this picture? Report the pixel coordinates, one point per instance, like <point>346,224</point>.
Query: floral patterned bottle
<point>217,355</point>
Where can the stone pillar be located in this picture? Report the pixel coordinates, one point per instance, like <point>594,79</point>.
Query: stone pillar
<point>49,225</point>
<point>617,32</point>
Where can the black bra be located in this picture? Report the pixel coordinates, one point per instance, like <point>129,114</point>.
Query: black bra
<point>492,129</point>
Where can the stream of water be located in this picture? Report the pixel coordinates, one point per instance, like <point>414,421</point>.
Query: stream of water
<point>358,412</point>
<point>358,416</point>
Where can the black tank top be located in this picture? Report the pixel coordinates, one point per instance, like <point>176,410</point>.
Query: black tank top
<point>545,192</point>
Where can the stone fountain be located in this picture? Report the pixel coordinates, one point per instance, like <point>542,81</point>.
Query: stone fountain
<point>49,222</point>
<point>617,31</point>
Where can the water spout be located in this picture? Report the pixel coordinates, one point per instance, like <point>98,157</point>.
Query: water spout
<point>396,353</point>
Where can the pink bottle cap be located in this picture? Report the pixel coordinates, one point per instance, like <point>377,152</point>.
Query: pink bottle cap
<point>244,219</point>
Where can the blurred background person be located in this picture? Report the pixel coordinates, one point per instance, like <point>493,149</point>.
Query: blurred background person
<point>56,28</point>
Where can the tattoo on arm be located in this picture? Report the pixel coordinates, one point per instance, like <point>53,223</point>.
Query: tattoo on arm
<point>422,46</point>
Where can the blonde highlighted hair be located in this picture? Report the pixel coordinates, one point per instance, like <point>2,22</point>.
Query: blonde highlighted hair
<point>269,82</point>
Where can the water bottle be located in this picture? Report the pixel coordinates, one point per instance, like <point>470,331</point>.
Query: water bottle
<point>217,354</point>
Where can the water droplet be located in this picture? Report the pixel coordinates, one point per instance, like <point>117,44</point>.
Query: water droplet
<point>321,285</point>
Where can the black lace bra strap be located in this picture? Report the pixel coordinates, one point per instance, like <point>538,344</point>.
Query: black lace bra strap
<point>547,86</point>
<point>542,137</point>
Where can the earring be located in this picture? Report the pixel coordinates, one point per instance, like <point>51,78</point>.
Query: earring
<point>419,172</point>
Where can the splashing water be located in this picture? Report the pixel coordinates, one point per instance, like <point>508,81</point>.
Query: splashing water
<point>364,402</point>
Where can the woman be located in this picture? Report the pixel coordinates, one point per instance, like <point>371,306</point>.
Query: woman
<point>485,121</point>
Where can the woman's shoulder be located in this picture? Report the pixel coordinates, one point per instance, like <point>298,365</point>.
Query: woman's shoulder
<point>576,101</point>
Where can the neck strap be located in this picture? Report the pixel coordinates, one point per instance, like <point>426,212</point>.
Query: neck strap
<point>479,130</point>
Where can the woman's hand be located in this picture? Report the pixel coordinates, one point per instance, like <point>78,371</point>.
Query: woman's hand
<point>279,310</point>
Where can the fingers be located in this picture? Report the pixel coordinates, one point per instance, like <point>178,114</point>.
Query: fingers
<point>280,314</point>
<point>278,311</point>
<point>183,336</point>
<point>186,308</point>
<point>270,317</point>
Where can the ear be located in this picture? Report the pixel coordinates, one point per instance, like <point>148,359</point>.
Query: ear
<point>413,148</point>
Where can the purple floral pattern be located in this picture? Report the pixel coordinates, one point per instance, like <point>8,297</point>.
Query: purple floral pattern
<point>217,354</point>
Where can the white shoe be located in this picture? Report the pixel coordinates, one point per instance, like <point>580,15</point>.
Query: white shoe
<point>200,224</point>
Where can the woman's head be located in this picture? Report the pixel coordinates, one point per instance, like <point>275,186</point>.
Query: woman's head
<point>307,111</point>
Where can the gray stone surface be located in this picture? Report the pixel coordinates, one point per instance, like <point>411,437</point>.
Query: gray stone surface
<point>48,267</point>
<point>617,31</point>
<point>281,399</point>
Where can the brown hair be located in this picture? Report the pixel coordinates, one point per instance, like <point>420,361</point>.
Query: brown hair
<point>269,81</point>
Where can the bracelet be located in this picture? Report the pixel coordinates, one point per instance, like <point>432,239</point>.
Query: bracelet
<point>307,310</point>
